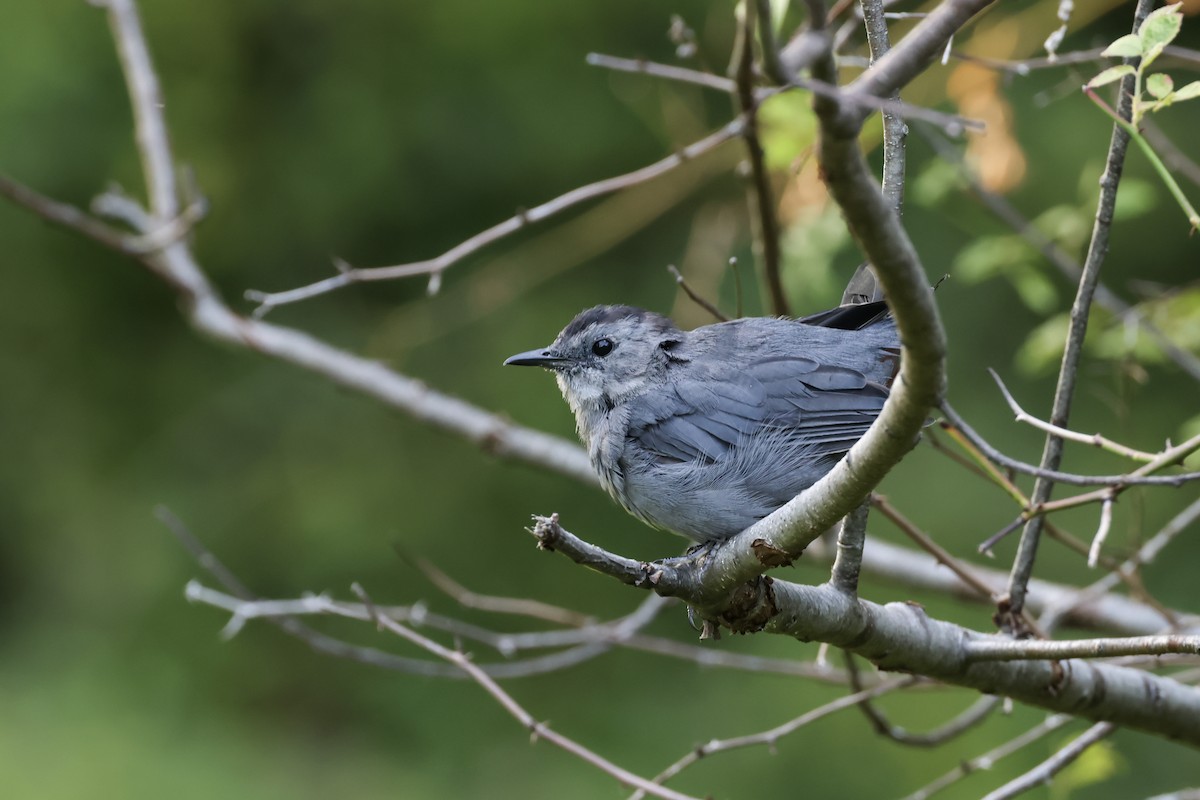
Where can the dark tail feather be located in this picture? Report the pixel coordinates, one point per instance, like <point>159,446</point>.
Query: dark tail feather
<point>853,317</point>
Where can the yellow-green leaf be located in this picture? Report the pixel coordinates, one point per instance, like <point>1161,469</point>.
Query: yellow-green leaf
<point>1159,85</point>
<point>1188,92</point>
<point>1109,75</point>
<point>1160,27</point>
<point>1128,46</point>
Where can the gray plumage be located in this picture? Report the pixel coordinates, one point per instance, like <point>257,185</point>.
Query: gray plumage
<point>704,432</point>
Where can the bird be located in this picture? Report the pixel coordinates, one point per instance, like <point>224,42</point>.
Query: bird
<point>704,432</point>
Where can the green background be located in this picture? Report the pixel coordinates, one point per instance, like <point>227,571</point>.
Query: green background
<point>383,132</point>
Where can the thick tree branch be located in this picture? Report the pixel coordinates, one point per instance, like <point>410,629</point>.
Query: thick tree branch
<point>851,537</point>
<point>908,58</point>
<point>901,637</point>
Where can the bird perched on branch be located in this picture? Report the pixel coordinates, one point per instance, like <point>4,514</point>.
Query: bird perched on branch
<point>705,432</point>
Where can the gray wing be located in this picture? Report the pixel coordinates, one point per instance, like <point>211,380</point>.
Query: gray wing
<point>825,408</point>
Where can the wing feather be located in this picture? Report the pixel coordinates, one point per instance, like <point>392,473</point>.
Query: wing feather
<point>825,408</point>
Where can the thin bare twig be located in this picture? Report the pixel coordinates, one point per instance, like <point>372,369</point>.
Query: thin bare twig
<point>1098,610</point>
<point>667,71</point>
<point>1095,439</point>
<point>1068,371</point>
<point>314,639</point>
<point>539,730</point>
<point>1106,516</point>
<point>895,131</point>
<point>921,46</point>
<point>1130,578</point>
<point>972,716</point>
<point>987,760</point>
<point>759,195</point>
<point>695,298</point>
<point>769,738</point>
<point>996,649</point>
<point>1129,568</point>
<point>153,144</point>
<point>952,124</point>
<point>772,62</point>
<point>1025,66</point>
<point>1138,477</point>
<point>1053,765</point>
<point>926,543</point>
<point>66,215</point>
<point>434,267</point>
<point>966,574</point>
<point>988,472</point>
<point>517,606</point>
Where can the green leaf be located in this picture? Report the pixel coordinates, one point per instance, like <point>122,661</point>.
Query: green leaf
<point>1159,85</point>
<point>1160,27</point>
<point>1128,46</point>
<point>1007,256</point>
<point>789,129</point>
<point>936,182</point>
<point>1135,198</point>
<point>1043,347</point>
<point>1035,288</point>
<point>1189,92</point>
<point>1068,225</point>
<point>989,256</point>
<point>1109,75</point>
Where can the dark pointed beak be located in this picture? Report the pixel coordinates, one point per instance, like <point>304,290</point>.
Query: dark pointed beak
<point>535,358</point>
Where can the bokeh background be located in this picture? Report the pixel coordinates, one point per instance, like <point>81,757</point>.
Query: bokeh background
<point>386,131</point>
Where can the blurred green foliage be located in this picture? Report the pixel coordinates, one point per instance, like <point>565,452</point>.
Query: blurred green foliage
<point>388,131</point>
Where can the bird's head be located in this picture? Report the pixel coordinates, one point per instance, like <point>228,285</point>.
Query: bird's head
<point>606,354</point>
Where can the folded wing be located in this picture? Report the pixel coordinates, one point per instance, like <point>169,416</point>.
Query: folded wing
<point>825,408</point>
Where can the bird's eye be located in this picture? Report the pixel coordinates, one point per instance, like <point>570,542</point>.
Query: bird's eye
<point>602,347</point>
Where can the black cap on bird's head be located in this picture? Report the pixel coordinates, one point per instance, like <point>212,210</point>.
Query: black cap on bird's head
<point>593,334</point>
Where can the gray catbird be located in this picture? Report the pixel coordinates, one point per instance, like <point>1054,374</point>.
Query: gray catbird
<point>704,432</point>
